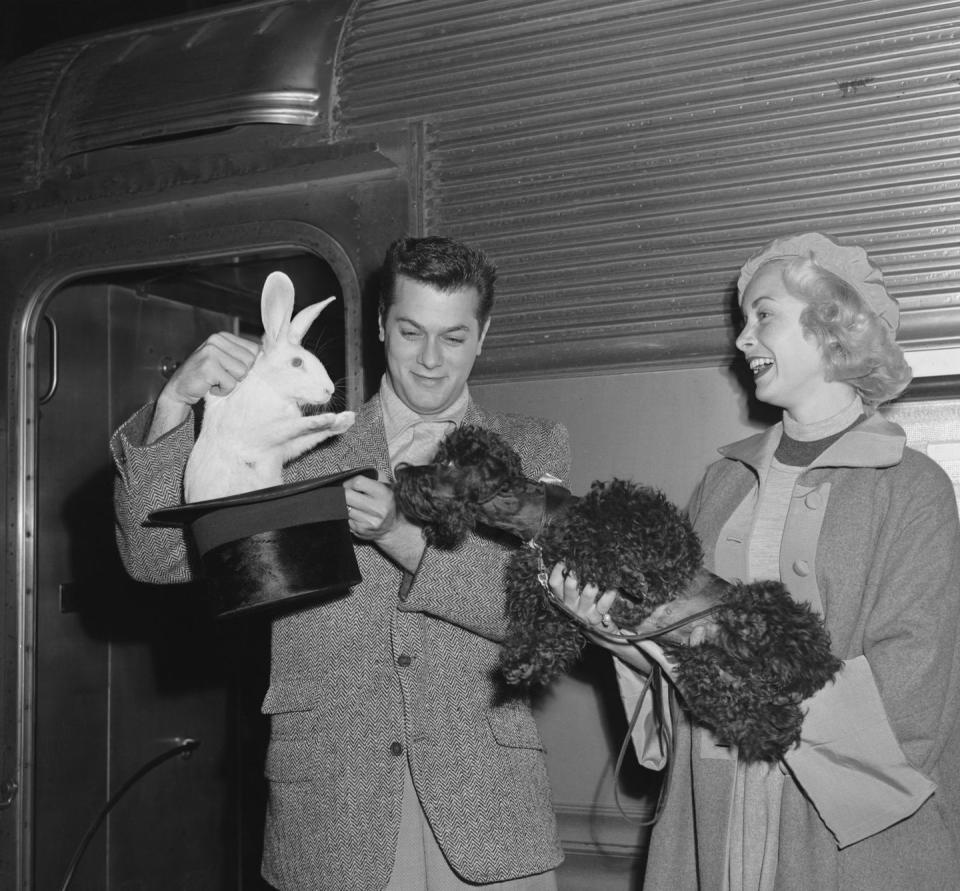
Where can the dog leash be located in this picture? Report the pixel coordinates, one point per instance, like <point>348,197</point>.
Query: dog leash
<point>543,577</point>
<point>651,686</point>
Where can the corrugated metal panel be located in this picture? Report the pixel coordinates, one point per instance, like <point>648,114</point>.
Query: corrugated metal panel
<point>621,159</point>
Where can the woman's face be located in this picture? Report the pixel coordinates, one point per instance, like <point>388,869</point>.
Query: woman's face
<point>785,360</point>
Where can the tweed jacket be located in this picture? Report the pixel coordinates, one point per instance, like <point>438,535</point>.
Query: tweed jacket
<point>883,559</point>
<point>361,683</point>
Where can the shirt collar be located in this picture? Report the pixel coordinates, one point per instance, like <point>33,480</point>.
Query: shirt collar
<point>398,417</point>
<point>826,427</point>
<point>874,442</point>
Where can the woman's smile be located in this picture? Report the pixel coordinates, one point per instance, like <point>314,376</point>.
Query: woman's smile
<point>760,365</point>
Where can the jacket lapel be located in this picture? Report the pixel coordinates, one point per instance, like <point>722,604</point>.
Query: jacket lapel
<point>365,443</point>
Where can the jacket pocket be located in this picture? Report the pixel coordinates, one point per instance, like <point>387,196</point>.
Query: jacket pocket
<point>291,753</point>
<point>514,727</point>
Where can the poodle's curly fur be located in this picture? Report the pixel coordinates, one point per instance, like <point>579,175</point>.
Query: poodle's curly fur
<point>746,682</point>
<point>619,535</point>
<point>471,466</point>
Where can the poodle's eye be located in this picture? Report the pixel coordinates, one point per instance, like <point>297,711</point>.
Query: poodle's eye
<point>296,361</point>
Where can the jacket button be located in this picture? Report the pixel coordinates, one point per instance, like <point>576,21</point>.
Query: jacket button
<point>801,568</point>
<point>403,660</point>
<point>396,748</point>
<point>813,500</point>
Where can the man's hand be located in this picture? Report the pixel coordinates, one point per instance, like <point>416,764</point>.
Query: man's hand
<point>373,516</point>
<point>216,366</point>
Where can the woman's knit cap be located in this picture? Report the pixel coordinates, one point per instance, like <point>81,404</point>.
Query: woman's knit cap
<point>849,262</point>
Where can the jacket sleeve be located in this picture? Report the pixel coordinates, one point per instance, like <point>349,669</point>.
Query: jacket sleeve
<point>147,478</point>
<point>912,633</point>
<point>849,762</point>
<point>872,739</point>
<point>466,586</point>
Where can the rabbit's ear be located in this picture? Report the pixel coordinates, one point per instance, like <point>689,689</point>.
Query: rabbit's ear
<point>276,306</point>
<point>305,318</point>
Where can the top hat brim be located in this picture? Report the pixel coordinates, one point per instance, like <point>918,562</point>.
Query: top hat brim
<point>185,514</point>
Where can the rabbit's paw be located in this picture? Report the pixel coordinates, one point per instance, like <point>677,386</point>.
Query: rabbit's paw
<point>331,422</point>
<point>341,421</point>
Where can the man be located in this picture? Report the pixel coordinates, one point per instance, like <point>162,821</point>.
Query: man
<point>397,760</point>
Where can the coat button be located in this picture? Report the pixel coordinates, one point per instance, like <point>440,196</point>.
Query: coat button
<point>801,567</point>
<point>403,660</point>
<point>813,501</point>
<point>396,748</point>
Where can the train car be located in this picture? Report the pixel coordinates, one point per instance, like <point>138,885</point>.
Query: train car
<point>618,161</point>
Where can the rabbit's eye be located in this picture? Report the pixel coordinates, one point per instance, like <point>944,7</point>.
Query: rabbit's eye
<point>296,362</point>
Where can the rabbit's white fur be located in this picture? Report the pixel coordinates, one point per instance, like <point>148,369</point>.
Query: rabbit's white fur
<point>248,435</point>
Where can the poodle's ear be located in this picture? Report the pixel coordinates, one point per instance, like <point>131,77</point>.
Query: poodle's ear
<point>276,307</point>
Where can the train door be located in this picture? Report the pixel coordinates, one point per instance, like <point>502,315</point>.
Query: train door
<point>126,674</point>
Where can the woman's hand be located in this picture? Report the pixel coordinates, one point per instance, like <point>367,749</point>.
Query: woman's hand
<point>591,609</point>
<point>693,631</point>
<point>586,603</point>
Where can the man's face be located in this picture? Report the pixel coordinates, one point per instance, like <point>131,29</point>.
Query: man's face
<point>431,339</point>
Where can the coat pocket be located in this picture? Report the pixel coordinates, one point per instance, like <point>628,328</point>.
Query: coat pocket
<point>291,753</point>
<point>514,727</point>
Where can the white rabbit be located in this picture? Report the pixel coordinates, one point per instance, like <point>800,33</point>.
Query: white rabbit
<point>248,435</point>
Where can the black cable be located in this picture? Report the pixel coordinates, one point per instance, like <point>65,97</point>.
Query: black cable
<point>183,748</point>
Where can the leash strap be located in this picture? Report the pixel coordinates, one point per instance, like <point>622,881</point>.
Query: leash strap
<point>652,686</point>
<point>543,578</point>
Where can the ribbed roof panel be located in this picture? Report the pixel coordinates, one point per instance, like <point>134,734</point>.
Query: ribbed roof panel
<point>27,87</point>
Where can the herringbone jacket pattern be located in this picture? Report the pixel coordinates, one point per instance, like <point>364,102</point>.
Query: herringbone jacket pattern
<point>362,682</point>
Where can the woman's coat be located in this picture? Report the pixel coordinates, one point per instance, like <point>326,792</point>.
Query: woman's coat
<point>872,534</point>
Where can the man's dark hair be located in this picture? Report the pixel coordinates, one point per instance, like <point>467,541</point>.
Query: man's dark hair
<point>442,262</point>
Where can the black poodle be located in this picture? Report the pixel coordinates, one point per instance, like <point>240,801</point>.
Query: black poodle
<point>765,652</point>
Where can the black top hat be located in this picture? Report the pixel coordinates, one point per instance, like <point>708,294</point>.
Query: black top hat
<point>272,547</point>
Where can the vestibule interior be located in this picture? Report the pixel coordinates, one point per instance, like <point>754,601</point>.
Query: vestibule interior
<point>124,672</point>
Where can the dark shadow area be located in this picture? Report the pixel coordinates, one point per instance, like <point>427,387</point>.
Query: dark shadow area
<point>178,619</point>
<point>31,24</point>
<point>194,659</point>
<point>374,364</point>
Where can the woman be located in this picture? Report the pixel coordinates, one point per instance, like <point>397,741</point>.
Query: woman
<point>831,502</point>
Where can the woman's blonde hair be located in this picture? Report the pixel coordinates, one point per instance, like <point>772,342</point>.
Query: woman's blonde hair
<point>858,347</point>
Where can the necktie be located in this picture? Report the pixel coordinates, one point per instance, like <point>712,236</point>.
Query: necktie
<point>419,443</point>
